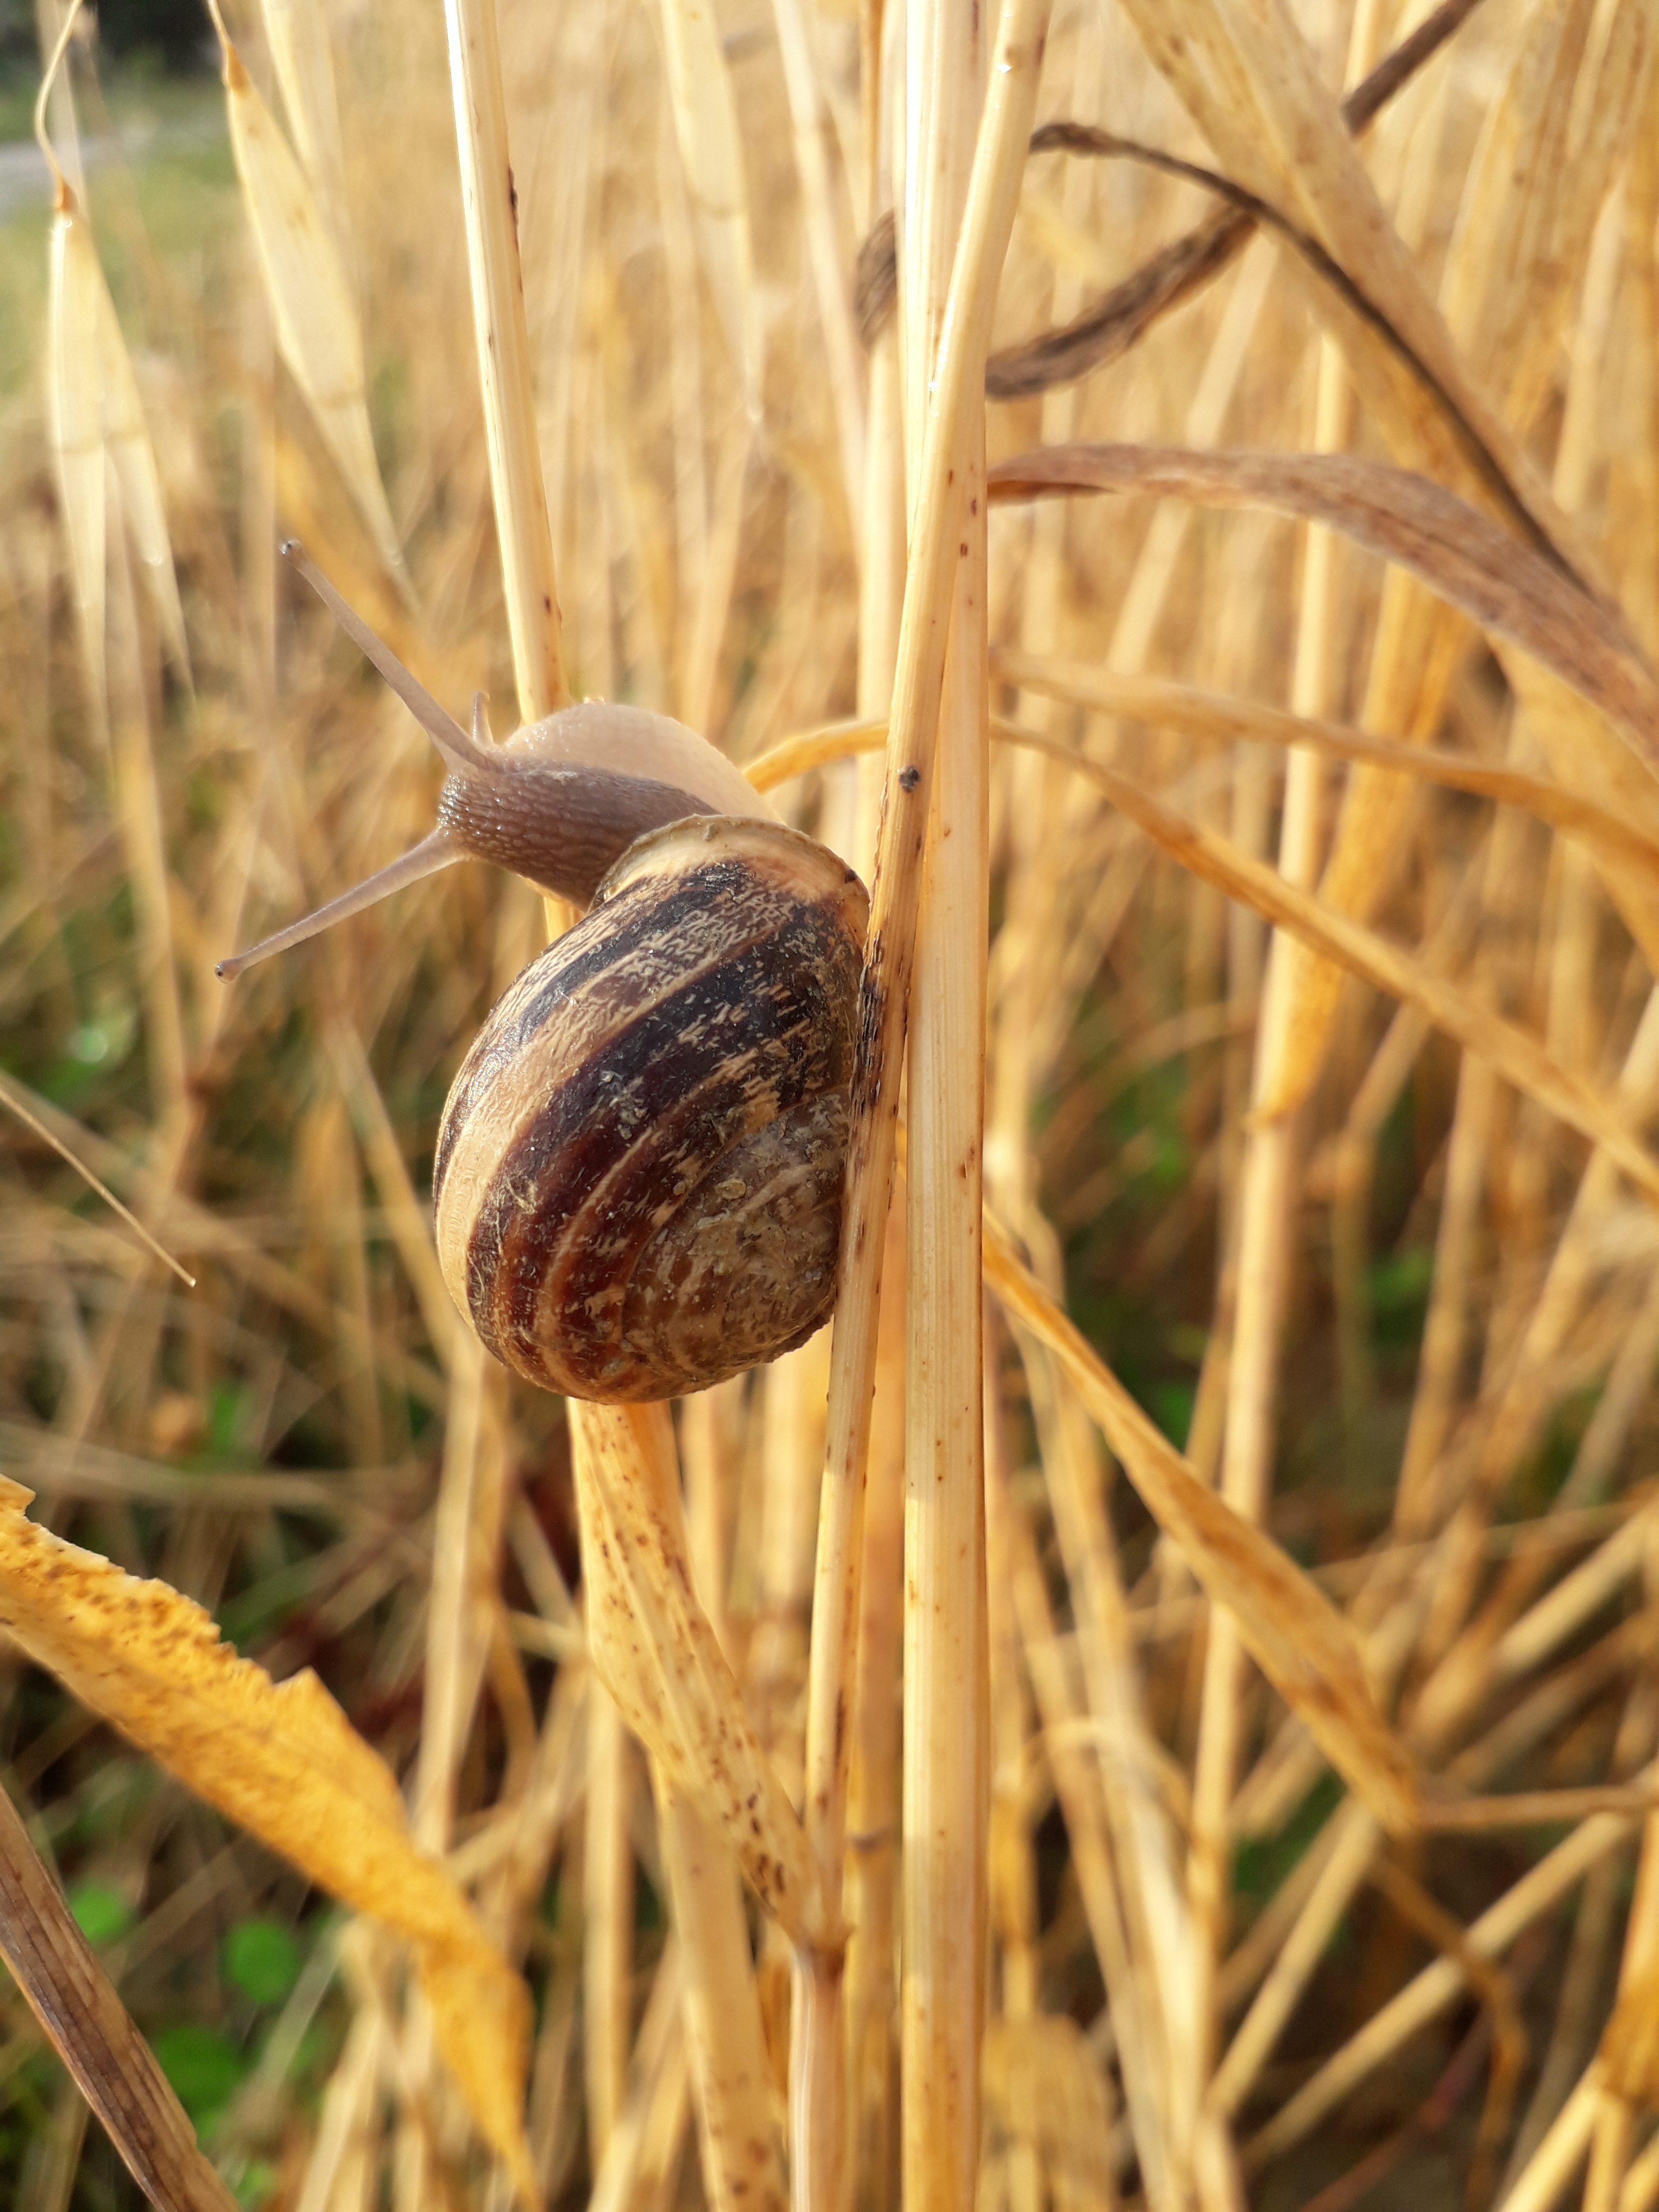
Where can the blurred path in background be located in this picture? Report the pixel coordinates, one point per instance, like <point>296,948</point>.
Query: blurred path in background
<point>23,178</point>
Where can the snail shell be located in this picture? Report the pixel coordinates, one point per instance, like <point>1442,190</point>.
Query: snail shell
<point>638,1181</point>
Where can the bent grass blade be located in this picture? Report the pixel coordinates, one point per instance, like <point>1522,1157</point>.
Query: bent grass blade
<point>311,301</point>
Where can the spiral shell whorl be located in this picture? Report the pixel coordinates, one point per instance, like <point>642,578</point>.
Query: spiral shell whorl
<point>639,1170</point>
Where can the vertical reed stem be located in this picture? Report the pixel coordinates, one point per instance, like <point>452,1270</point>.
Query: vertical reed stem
<point>945,1690</point>
<point>810,119</point>
<point>607,1921</point>
<point>939,511</point>
<point>515,463</point>
<point>515,467</point>
<point>1266,1215</point>
<point>872,1793</point>
<point>742,2166</point>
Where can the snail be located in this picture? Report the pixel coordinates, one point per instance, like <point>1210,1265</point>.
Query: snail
<point>637,1188</point>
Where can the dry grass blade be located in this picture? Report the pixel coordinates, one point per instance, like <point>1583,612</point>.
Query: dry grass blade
<point>1483,465</point>
<point>1295,1634</point>
<point>498,313</point>
<point>1437,1986</point>
<point>1516,1055</point>
<point>943,1900</point>
<point>1212,717</point>
<point>95,405</point>
<point>711,149</point>
<point>77,439</point>
<point>311,301</point>
<point>75,2000</point>
<point>608,1917</point>
<point>1252,84</point>
<point>73,283</point>
<point>1630,2042</point>
<point>283,1762</point>
<point>1107,328</point>
<point>812,122</point>
<point>1207,715</point>
<point>743,2152</point>
<point>1111,326</point>
<point>126,439</point>
<point>814,749</point>
<point>96,411</point>
<point>1499,583</point>
<point>14,1104</point>
<point>297,31</point>
<point>656,1653</point>
<point>1525,1809</point>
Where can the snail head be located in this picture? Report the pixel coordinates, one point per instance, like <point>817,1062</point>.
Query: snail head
<point>558,803</point>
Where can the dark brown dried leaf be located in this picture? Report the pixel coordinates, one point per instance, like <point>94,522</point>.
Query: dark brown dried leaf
<point>1470,560</point>
<point>92,2031</point>
<point>1113,324</point>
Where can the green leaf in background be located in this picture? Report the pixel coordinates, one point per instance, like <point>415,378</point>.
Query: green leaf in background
<point>111,1804</point>
<point>204,2067</point>
<point>1170,1404</point>
<point>257,2185</point>
<point>261,1959</point>
<point>101,1913</point>
<point>227,1414</point>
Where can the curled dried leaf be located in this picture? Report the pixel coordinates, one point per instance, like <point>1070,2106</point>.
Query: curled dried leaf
<point>282,1762</point>
<point>658,1655</point>
<point>1504,586</point>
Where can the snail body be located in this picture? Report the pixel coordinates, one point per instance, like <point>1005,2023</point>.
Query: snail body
<point>637,1188</point>
<point>563,799</point>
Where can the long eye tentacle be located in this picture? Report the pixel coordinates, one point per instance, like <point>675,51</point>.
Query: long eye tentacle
<point>440,850</point>
<point>462,753</point>
<point>557,804</point>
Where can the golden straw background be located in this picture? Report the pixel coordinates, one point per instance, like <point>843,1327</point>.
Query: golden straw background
<point>1157,1707</point>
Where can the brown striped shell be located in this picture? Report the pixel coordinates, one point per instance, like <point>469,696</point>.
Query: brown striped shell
<point>638,1180</point>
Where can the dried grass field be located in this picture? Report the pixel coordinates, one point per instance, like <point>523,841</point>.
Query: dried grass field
<point>1158,1705</point>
